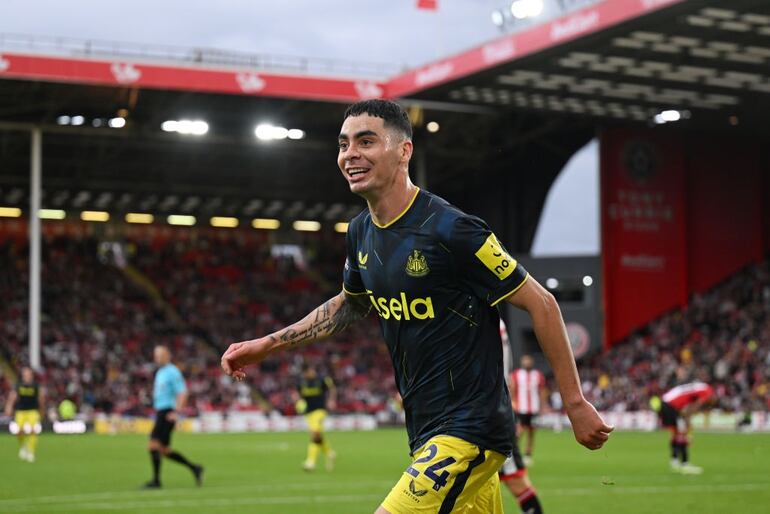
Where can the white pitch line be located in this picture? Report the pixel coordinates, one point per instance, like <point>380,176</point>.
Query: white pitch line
<point>662,477</point>
<point>209,502</point>
<point>695,488</point>
<point>160,503</point>
<point>116,495</point>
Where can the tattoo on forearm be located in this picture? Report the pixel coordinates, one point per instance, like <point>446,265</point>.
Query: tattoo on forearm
<point>325,323</point>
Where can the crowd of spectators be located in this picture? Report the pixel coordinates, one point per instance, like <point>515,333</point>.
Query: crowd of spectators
<point>197,293</point>
<point>99,323</point>
<point>721,337</point>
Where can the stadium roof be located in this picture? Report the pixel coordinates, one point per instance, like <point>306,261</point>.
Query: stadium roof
<point>510,112</point>
<point>622,61</point>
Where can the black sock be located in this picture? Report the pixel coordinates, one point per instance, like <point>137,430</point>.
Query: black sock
<point>683,451</point>
<point>674,450</point>
<point>178,457</point>
<point>155,456</point>
<point>529,502</point>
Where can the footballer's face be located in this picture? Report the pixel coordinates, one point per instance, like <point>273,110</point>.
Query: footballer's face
<point>527,362</point>
<point>27,375</point>
<point>371,154</point>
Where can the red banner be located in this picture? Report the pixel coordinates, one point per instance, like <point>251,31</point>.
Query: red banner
<point>122,72</point>
<point>507,48</point>
<point>643,228</point>
<point>678,217</point>
<point>190,78</point>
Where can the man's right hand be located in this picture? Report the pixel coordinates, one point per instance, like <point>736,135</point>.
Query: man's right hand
<point>240,355</point>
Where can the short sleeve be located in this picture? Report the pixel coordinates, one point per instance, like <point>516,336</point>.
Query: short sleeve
<point>179,385</point>
<point>482,262</point>
<point>351,275</point>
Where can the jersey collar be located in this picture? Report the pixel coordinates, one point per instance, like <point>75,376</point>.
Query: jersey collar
<point>409,206</point>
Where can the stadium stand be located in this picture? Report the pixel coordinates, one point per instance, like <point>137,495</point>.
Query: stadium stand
<point>106,306</point>
<point>721,337</point>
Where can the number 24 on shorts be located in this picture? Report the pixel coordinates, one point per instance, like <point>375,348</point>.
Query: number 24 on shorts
<point>440,479</point>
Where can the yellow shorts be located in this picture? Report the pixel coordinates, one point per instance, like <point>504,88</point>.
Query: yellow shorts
<point>449,475</point>
<point>315,420</point>
<point>28,421</point>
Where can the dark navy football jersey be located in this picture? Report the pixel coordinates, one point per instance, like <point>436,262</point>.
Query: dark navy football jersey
<point>314,392</point>
<point>434,276</point>
<point>27,396</point>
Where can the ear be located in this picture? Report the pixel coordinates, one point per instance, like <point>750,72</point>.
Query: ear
<point>407,148</point>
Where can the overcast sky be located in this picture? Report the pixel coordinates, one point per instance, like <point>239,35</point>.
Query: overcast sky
<point>569,224</point>
<point>360,30</point>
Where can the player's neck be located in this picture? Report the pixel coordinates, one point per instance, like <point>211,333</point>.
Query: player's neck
<point>392,203</point>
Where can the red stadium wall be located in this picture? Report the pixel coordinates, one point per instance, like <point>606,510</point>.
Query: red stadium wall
<point>678,216</point>
<point>724,204</point>
<point>643,229</point>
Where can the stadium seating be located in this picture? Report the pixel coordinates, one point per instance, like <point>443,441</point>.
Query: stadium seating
<point>100,324</point>
<point>201,293</point>
<point>721,337</point>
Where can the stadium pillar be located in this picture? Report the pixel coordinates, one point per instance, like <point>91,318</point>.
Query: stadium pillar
<point>36,164</point>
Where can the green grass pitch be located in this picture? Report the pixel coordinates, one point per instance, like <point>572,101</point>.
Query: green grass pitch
<point>261,473</point>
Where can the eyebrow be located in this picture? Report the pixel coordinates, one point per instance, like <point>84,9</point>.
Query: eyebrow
<point>358,135</point>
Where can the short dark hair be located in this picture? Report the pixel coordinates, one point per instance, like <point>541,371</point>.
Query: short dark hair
<point>392,114</point>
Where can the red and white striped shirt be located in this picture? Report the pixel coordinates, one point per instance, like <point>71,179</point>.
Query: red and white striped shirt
<point>528,386</point>
<point>683,395</point>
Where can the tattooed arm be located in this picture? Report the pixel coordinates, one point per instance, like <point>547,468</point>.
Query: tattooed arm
<point>326,320</point>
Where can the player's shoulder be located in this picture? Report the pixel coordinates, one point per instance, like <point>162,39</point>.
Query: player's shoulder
<point>435,204</point>
<point>360,220</point>
<point>446,219</point>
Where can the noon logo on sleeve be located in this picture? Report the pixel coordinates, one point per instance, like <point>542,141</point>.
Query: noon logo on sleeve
<point>494,257</point>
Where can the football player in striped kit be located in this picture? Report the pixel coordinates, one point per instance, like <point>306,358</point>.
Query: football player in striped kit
<point>675,408</point>
<point>529,395</point>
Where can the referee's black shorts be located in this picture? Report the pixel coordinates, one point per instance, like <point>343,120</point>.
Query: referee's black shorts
<point>161,431</point>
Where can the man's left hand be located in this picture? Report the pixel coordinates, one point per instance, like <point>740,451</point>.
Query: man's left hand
<point>590,429</point>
